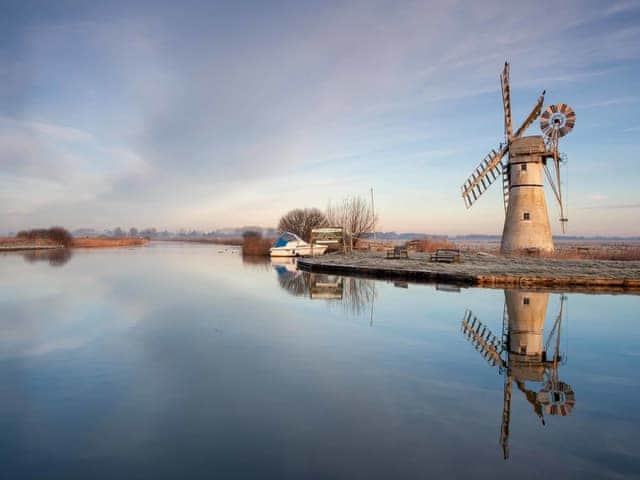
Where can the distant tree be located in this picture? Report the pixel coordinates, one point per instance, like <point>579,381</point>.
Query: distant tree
<point>60,235</point>
<point>133,232</point>
<point>149,232</point>
<point>301,221</point>
<point>355,215</point>
<point>251,234</point>
<point>118,232</point>
<point>56,234</point>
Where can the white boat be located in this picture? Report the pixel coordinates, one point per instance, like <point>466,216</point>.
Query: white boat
<point>290,245</point>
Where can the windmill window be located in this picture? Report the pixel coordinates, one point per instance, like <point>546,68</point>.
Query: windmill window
<point>523,166</point>
<point>525,300</point>
<point>523,349</point>
<point>526,216</point>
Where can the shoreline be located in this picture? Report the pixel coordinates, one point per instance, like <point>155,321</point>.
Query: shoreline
<point>18,246</point>
<point>588,276</point>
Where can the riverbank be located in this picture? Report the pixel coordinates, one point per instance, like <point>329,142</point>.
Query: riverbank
<point>13,244</point>
<point>488,271</point>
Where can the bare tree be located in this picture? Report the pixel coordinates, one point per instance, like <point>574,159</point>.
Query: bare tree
<point>301,221</point>
<point>355,215</point>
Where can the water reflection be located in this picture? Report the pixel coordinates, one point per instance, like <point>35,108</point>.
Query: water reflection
<point>173,359</point>
<point>290,278</point>
<point>55,256</point>
<point>355,295</point>
<point>522,355</point>
<point>257,262</point>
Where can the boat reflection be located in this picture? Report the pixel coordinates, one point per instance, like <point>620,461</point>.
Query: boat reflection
<point>289,277</point>
<point>355,295</point>
<point>522,355</point>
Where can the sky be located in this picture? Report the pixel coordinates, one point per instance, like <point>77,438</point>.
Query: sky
<point>221,114</point>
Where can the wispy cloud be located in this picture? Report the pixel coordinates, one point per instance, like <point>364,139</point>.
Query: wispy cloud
<point>622,206</point>
<point>610,102</point>
<point>622,7</point>
<point>138,117</point>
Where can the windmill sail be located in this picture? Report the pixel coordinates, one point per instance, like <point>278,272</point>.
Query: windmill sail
<point>483,176</point>
<point>555,122</point>
<point>506,185</point>
<point>506,100</point>
<point>535,113</point>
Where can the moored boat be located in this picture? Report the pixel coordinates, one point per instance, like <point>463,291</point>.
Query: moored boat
<point>291,245</point>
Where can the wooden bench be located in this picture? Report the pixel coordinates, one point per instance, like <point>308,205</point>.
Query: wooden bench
<point>397,252</point>
<point>446,255</point>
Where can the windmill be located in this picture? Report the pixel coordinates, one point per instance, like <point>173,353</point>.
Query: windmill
<point>526,225</point>
<point>521,356</point>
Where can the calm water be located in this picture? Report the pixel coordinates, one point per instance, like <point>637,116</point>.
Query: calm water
<point>183,361</point>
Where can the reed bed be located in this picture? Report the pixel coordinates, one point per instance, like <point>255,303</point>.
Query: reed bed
<point>256,246</point>
<point>108,242</point>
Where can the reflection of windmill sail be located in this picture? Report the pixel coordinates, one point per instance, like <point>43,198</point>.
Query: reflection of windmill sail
<point>523,356</point>
<point>485,342</point>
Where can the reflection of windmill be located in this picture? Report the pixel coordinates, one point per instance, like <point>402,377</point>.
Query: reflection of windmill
<point>526,224</point>
<point>521,355</point>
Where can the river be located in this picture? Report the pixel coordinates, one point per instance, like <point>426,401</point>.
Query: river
<point>186,361</point>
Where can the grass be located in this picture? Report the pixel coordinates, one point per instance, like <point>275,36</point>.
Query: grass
<point>608,251</point>
<point>211,241</point>
<point>16,242</point>
<point>423,245</point>
<point>565,250</point>
<point>108,242</point>
<point>430,245</point>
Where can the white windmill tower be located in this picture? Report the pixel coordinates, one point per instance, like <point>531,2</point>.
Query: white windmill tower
<point>526,225</point>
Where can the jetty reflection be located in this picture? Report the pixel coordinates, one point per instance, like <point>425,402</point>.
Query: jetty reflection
<point>355,295</point>
<point>523,355</point>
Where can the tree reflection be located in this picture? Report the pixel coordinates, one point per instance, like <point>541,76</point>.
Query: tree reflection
<point>55,256</point>
<point>257,262</point>
<point>355,295</point>
<point>359,295</point>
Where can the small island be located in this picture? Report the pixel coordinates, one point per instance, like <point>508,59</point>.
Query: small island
<point>58,237</point>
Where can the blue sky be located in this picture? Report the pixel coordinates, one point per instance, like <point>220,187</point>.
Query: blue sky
<point>215,114</point>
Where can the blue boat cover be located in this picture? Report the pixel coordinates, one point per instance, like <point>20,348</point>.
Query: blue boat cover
<point>284,239</point>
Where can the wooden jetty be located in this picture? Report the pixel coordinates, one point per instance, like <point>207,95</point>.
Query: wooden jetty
<point>605,276</point>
